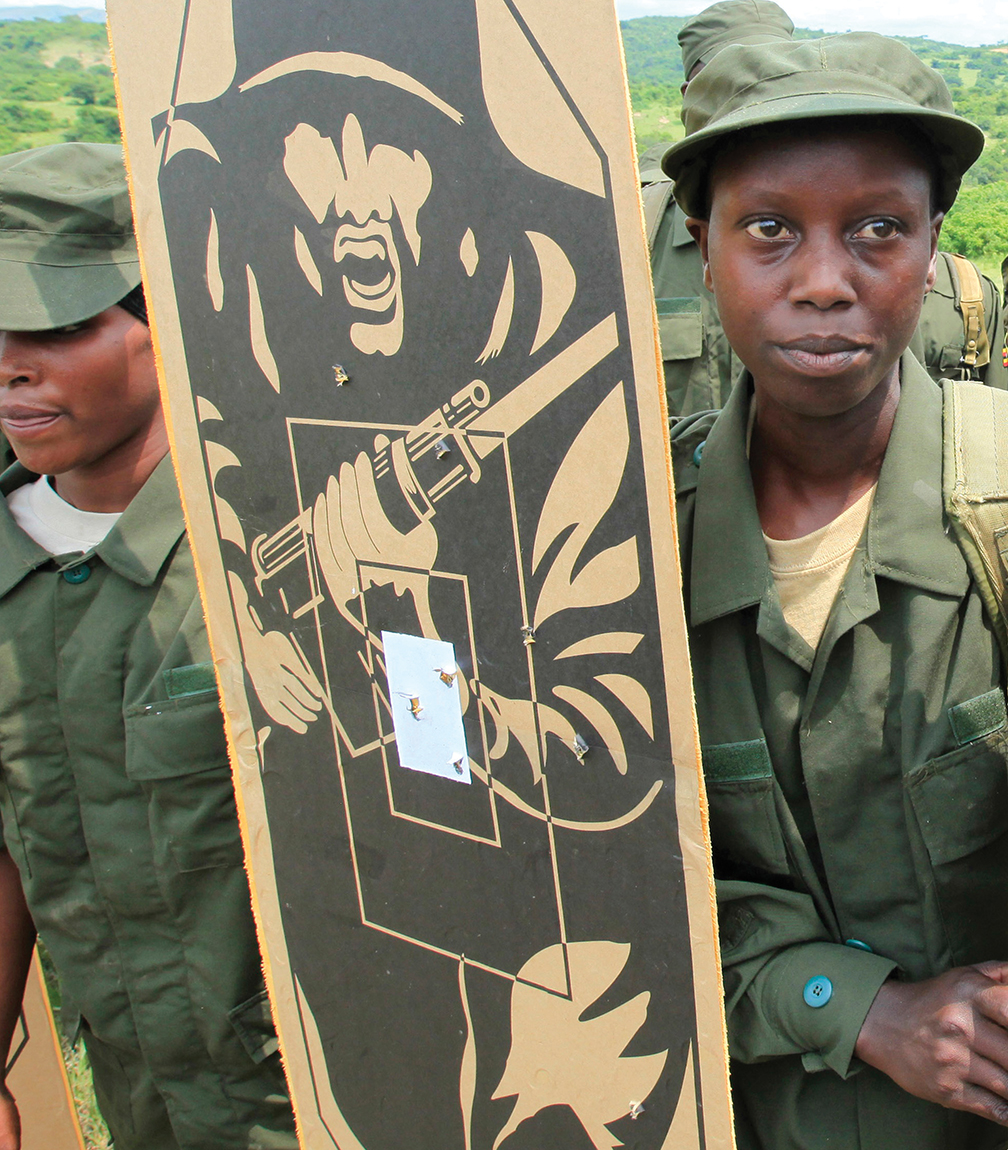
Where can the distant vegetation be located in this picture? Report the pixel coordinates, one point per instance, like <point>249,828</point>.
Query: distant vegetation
<point>978,78</point>
<point>56,84</point>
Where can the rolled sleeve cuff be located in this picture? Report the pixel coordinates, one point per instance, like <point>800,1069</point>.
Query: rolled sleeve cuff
<point>842,981</point>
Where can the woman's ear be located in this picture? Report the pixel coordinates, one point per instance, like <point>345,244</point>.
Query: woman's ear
<point>936,223</point>
<point>700,230</point>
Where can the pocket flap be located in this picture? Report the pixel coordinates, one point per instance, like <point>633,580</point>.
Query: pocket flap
<point>177,737</point>
<point>680,325</point>
<point>737,762</point>
<point>181,682</point>
<point>978,717</point>
<point>961,799</point>
<point>253,1023</point>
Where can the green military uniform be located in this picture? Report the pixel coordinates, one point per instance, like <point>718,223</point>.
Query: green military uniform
<point>858,793</point>
<point>700,366</point>
<point>118,809</point>
<point>940,340</point>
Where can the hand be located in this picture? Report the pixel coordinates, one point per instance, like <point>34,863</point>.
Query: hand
<point>10,1121</point>
<point>287,687</point>
<point>945,1039</point>
<point>350,526</point>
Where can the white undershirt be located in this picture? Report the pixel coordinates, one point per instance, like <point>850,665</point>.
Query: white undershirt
<point>55,524</point>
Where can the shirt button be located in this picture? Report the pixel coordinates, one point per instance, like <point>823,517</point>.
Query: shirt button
<point>818,991</point>
<point>858,945</point>
<point>79,574</point>
<point>698,454</point>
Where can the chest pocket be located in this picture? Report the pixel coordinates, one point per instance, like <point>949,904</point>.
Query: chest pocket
<point>177,752</point>
<point>961,805</point>
<point>743,814</point>
<point>680,325</point>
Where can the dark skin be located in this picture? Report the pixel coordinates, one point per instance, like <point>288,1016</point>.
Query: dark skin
<point>80,404</point>
<point>18,934</point>
<point>819,284</point>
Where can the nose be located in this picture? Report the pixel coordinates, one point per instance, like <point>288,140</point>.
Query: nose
<point>822,273</point>
<point>16,364</point>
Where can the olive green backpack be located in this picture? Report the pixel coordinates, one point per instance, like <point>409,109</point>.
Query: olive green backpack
<point>975,489</point>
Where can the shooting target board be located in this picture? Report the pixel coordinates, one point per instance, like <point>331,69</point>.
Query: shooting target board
<point>37,1076</point>
<point>400,290</point>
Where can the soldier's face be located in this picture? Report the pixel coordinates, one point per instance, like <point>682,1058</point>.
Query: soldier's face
<point>71,397</point>
<point>820,250</point>
<point>365,190</point>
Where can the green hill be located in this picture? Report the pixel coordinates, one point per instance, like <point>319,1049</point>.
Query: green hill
<point>55,83</point>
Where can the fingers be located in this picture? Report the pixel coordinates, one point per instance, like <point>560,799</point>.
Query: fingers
<point>301,692</point>
<point>995,971</point>
<point>293,706</point>
<point>352,516</point>
<point>990,1042</point>
<point>992,1003</point>
<point>306,675</point>
<point>979,1100</point>
<point>335,558</point>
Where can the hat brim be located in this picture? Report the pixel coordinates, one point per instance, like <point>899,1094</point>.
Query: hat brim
<point>36,297</point>
<point>959,142</point>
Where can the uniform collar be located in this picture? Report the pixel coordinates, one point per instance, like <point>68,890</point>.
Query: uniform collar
<point>907,541</point>
<point>19,553</point>
<point>138,545</point>
<point>680,233</point>
<point>730,569</point>
<point>136,548</point>
<point>908,537</point>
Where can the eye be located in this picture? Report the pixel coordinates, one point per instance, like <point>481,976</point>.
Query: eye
<point>69,328</point>
<point>877,230</point>
<point>768,229</point>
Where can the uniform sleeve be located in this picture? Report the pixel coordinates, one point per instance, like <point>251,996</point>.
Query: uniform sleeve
<point>790,989</point>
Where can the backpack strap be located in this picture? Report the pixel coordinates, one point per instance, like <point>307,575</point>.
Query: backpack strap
<point>975,489</point>
<point>656,198</point>
<point>970,300</point>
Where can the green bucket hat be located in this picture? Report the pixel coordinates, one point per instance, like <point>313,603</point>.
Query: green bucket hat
<point>731,22</point>
<point>67,248</point>
<point>859,74</point>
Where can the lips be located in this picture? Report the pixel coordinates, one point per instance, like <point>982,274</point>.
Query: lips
<point>20,419</point>
<point>822,354</point>
<point>370,264</point>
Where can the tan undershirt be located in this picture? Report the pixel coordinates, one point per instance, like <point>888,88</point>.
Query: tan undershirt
<point>808,571</point>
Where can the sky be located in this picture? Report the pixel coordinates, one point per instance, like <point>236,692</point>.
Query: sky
<point>974,22</point>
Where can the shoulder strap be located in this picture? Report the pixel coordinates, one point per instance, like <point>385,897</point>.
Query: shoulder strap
<point>975,489</point>
<point>970,299</point>
<point>656,198</point>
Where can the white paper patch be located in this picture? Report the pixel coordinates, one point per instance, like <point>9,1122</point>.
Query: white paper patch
<point>426,706</point>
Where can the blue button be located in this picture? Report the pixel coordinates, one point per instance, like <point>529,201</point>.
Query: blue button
<point>858,945</point>
<point>698,454</point>
<point>818,991</point>
<point>79,574</point>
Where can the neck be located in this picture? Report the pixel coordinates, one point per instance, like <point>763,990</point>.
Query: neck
<point>110,483</point>
<point>807,470</point>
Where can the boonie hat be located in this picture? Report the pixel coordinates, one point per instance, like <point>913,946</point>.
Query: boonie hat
<point>731,22</point>
<point>858,74</point>
<point>67,248</point>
